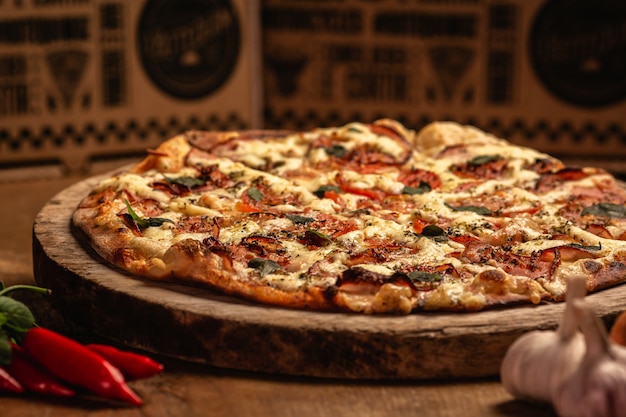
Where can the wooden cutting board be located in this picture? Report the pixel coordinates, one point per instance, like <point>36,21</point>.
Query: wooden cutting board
<point>200,326</point>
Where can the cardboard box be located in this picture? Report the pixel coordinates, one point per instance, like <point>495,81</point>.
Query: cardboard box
<point>545,74</point>
<point>85,80</point>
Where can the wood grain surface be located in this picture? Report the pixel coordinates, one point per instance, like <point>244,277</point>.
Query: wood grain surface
<point>200,326</point>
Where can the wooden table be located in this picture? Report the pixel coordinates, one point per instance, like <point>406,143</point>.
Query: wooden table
<point>186,389</point>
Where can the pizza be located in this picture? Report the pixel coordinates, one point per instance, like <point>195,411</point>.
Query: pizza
<point>371,218</point>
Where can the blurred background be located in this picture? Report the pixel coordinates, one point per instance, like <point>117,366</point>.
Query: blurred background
<point>88,84</point>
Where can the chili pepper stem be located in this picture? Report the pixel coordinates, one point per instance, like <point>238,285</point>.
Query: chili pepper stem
<point>41,290</point>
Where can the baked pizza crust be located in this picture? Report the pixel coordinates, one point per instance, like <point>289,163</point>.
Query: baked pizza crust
<point>366,218</point>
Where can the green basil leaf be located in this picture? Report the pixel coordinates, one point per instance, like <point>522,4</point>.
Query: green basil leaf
<point>336,150</point>
<point>297,219</point>
<point>255,194</point>
<point>586,247</point>
<point>605,210</point>
<point>433,230</point>
<point>140,222</point>
<point>483,211</point>
<point>5,349</point>
<point>188,182</point>
<point>435,233</point>
<point>360,211</point>
<point>157,221</point>
<point>483,159</point>
<point>16,315</point>
<point>146,222</point>
<point>421,276</point>
<point>264,266</point>
<point>322,190</point>
<point>424,187</point>
<point>315,238</point>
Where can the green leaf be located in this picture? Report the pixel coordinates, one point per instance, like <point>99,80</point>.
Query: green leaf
<point>17,317</point>
<point>322,190</point>
<point>146,222</point>
<point>264,266</point>
<point>483,159</point>
<point>435,233</point>
<point>336,150</point>
<point>140,222</point>
<point>483,211</point>
<point>421,276</point>
<point>255,194</point>
<point>424,187</point>
<point>605,210</point>
<point>586,247</point>
<point>315,238</point>
<point>5,349</point>
<point>360,211</point>
<point>188,182</point>
<point>297,219</point>
<point>156,221</point>
<point>433,230</point>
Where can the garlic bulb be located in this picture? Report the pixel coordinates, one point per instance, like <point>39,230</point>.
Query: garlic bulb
<point>598,387</point>
<point>618,331</point>
<point>537,362</point>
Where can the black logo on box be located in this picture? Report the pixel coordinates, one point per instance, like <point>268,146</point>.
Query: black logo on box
<point>189,48</point>
<point>578,50</point>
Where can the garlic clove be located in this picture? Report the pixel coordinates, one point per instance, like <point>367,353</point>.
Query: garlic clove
<point>598,387</point>
<point>538,361</point>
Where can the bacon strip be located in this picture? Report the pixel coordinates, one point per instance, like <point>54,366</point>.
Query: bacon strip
<point>489,170</point>
<point>540,264</point>
<point>549,181</point>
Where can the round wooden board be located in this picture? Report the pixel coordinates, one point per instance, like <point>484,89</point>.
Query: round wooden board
<point>200,326</point>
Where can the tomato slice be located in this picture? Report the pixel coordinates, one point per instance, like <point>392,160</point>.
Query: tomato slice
<point>246,207</point>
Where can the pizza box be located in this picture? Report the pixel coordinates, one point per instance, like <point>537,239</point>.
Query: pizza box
<point>84,82</point>
<point>544,74</point>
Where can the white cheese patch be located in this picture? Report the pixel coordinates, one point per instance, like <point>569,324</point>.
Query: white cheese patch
<point>380,228</point>
<point>373,181</point>
<point>238,231</point>
<point>194,236</point>
<point>180,205</point>
<point>138,186</point>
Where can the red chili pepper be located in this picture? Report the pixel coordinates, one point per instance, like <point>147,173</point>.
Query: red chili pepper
<point>75,364</point>
<point>8,383</point>
<point>246,207</point>
<point>132,365</point>
<point>33,377</point>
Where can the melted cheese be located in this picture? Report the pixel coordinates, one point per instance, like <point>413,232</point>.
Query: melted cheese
<point>359,135</point>
<point>180,205</point>
<point>238,231</point>
<point>136,184</point>
<point>245,165</point>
